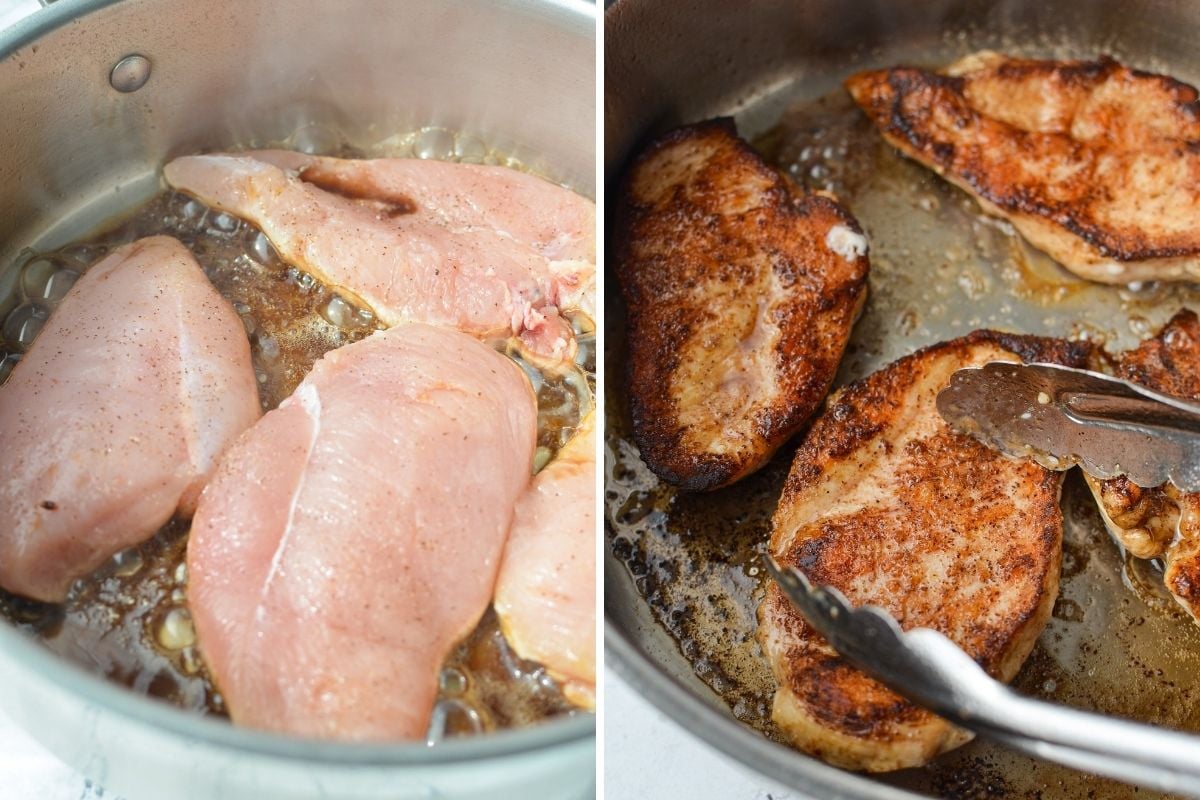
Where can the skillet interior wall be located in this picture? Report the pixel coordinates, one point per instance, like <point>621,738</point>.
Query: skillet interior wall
<point>237,72</point>
<point>668,63</point>
<point>672,63</point>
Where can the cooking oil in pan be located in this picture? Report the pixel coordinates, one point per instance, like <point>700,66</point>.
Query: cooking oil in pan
<point>939,269</point>
<point>130,621</point>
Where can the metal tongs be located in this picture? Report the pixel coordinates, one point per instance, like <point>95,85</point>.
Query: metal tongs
<point>1060,417</point>
<point>930,670</point>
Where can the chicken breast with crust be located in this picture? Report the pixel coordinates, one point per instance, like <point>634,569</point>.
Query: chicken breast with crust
<point>1160,521</point>
<point>888,504</point>
<point>1093,162</point>
<point>741,291</point>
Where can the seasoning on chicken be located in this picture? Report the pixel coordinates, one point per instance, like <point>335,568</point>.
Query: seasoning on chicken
<point>1093,162</point>
<point>741,291</point>
<point>1160,521</point>
<point>117,415</point>
<point>351,539</point>
<point>888,504</point>
<point>546,594</point>
<point>488,250</point>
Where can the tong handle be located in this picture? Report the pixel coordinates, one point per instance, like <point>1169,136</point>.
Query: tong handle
<point>927,668</point>
<point>1063,416</point>
<point>1145,755</point>
<point>1144,413</point>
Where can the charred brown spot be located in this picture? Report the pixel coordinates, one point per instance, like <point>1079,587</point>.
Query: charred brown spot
<point>836,695</point>
<point>1184,583</point>
<point>1120,496</point>
<point>1170,362</point>
<point>1037,349</point>
<point>358,187</point>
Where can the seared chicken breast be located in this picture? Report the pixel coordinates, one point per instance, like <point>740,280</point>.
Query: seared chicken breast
<point>888,504</point>
<point>741,291</point>
<point>1160,521</point>
<point>1093,162</point>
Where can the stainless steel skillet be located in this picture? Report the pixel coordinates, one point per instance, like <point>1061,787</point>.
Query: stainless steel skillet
<point>938,271</point>
<point>75,151</point>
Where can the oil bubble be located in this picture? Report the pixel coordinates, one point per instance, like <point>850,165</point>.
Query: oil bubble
<point>34,277</point>
<point>176,630</point>
<point>225,223</point>
<point>434,143</point>
<point>262,249</point>
<point>469,150</point>
<point>340,313</point>
<point>7,362</point>
<point>24,323</point>
<point>59,284</point>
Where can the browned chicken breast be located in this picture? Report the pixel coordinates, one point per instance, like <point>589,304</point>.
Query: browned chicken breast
<point>1162,521</point>
<point>888,504</point>
<point>1094,163</point>
<point>741,291</point>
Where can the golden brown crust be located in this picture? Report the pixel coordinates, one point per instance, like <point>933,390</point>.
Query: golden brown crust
<point>738,308</point>
<point>1095,163</point>
<point>1160,521</point>
<point>1182,574</point>
<point>888,504</point>
<point>1145,520</point>
<point>1169,362</point>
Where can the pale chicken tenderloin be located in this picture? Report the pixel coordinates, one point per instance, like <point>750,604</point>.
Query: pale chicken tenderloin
<point>351,539</point>
<point>546,594</point>
<point>115,418</point>
<point>488,250</point>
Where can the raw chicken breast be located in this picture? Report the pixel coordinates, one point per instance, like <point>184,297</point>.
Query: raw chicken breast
<point>488,250</point>
<point>546,595</point>
<point>117,415</point>
<point>352,537</point>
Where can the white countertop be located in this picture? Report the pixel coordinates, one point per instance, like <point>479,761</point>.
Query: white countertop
<point>29,772</point>
<point>647,755</point>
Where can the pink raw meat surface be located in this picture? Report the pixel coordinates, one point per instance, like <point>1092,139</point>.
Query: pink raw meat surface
<point>352,537</point>
<point>546,594</point>
<point>117,415</point>
<point>488,250</point>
